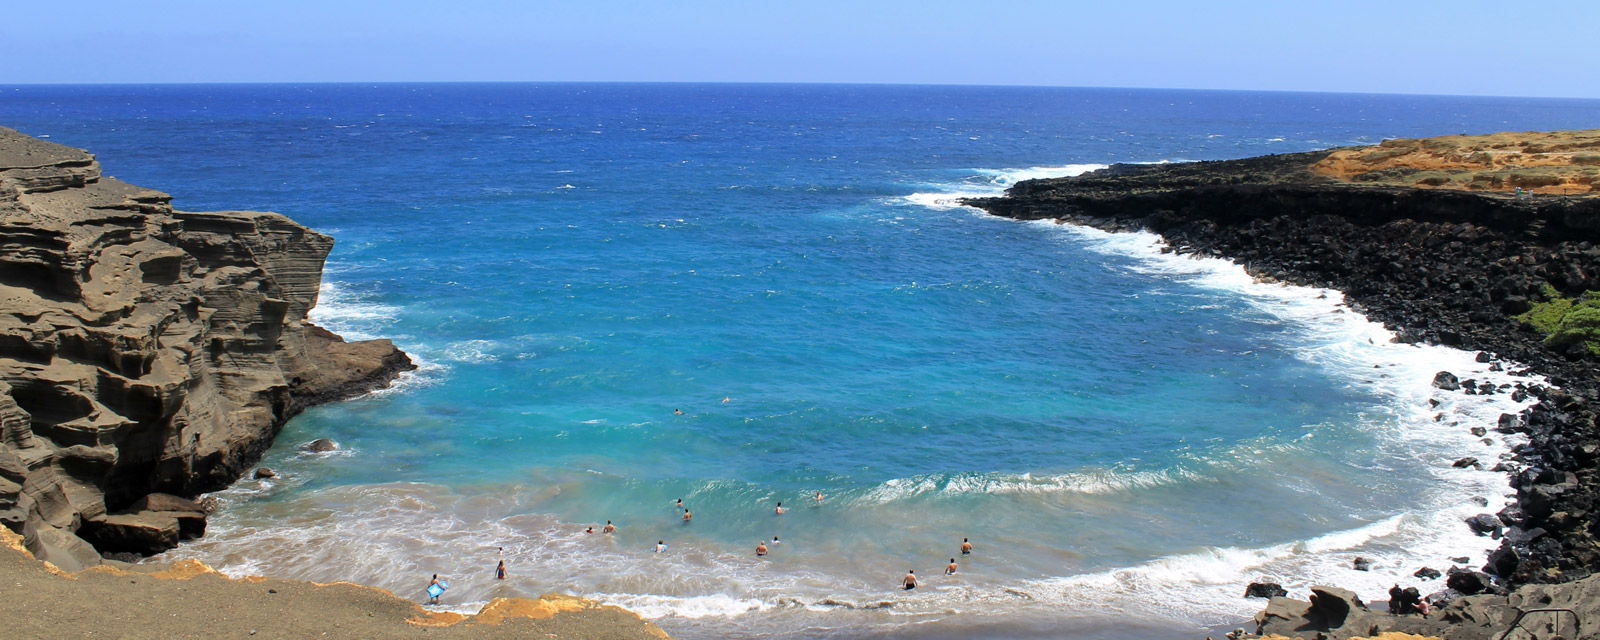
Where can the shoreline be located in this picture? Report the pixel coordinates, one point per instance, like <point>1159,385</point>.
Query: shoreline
<point>1308,294</point>
<point>1283,223</point>
<point>177,600</point>
<point>1438,402</point>
<point>150,355</point>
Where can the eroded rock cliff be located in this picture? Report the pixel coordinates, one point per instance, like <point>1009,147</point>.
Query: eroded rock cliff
<point>145,350</point>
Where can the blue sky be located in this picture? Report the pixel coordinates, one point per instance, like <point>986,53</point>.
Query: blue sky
<point>1535,48</point>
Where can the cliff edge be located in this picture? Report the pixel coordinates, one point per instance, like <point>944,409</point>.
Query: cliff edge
<point>146,351</point>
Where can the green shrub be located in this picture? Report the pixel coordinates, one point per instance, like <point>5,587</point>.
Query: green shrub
<point>1567,321</point>
<point>1546,316</point>
<point>1581,324</point>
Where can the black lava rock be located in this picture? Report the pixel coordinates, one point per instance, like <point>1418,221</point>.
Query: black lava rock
<point>1446,381</point>
<point>1265,590</point>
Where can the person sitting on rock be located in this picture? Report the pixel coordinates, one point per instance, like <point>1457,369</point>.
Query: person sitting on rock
<point>1411,602</point>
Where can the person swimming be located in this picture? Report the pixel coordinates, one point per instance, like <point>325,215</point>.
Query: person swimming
<point>966,547</point>
<point>609,528</point>
<point>775,540</point>
<point>911,579</point>
<point>678,411</point>
<point>680,503</point>
<point>590,529</point>
<point>761,548</point>
<point>951,569</point>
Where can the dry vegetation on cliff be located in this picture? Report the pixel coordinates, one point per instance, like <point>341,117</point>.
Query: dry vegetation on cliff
<point>1555,162</point>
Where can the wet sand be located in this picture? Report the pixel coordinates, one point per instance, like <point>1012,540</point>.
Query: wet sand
<point>189,600</point>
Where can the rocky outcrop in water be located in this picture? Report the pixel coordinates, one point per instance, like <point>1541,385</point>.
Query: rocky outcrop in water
<point>1440,265</point>
<point>147,351</point>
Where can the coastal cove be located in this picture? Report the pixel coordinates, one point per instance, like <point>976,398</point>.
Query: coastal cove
<point>1129,435</point>
<point>1468,265</point>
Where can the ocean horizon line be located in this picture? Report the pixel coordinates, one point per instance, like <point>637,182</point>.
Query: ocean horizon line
<point>751,83</point>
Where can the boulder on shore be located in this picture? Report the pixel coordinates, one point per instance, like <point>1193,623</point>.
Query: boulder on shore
<point>144,533</point>
<point>1446,381</point>
<point>1265,590</point>
<point>1468,582</point>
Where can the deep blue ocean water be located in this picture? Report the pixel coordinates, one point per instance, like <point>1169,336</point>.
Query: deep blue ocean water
<point>1117,430</point>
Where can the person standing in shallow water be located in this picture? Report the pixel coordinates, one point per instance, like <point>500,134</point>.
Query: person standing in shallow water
<point>609,528</point>
<point>779,510</point>
<point>500,571</point>
<point>911,579</point>
<point>761,548</point>
<point>686,515</point>
<point>966,547</point>
<point>951,570</point>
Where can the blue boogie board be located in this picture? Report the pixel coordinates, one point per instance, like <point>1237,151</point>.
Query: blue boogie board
<point>434,590</point>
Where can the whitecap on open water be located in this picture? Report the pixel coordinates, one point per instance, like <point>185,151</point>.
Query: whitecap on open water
<point>1127,437</point>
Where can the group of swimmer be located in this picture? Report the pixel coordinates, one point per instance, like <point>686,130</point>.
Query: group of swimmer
<point>762,548</point>
<point>910,581</point>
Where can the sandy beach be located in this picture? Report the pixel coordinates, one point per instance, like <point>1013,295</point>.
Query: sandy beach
<point>189,600</point>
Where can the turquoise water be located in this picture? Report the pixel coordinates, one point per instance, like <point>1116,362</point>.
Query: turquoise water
<point>1118,431</point>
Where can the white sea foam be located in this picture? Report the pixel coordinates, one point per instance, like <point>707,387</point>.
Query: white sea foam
<point>473,351</point>
<point>1008,177</point>
<point>691,607</point>
<point>988,183</point>
<point>355,316</point>
<point>1351,346</point>
<point>350,314</point>
<point>1092,481</point>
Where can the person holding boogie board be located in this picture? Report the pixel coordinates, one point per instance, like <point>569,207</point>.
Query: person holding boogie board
<point>436,588</point>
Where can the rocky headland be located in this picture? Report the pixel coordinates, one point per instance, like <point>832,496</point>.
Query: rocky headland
<point>147,355</point>
<point>1486,243</point>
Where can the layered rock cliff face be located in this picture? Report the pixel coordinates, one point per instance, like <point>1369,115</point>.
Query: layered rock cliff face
<point>1444,265</point>
<point>145,350</point>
